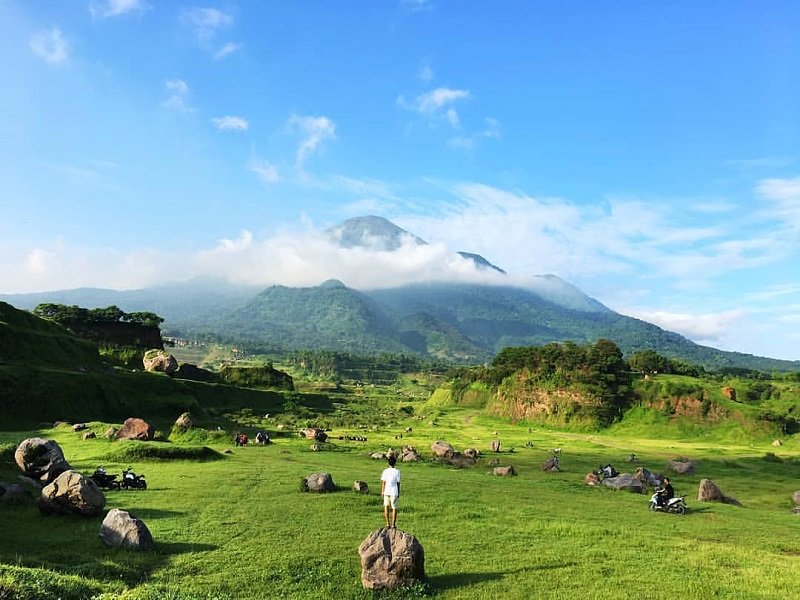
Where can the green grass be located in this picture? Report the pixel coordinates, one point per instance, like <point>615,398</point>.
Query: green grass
<point>238,527</point>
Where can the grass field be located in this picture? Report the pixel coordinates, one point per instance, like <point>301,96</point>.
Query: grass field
<point>239,527</point>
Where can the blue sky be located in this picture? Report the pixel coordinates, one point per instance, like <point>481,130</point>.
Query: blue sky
<point>647,152</point>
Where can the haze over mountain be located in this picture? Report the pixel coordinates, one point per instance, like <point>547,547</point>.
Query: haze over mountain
<point>460,320</point>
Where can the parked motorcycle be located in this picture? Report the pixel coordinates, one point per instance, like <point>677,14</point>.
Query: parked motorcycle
<point>131,480</point>
<point>676,505</point>
<point>107,481</point>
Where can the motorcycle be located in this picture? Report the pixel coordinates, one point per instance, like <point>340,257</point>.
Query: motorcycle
<point>676,505</point>
<point>131,480</point>
<point>104,480</point>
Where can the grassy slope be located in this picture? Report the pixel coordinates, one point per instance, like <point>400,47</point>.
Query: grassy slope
<point>239,528</point>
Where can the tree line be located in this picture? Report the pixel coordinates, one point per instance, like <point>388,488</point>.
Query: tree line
<point>72,315</point>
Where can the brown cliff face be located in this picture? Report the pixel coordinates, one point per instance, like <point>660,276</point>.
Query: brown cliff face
<point>538,404</point>
<point>692,408</point>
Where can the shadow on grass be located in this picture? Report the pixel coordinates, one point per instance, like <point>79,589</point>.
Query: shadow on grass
<point>441,583</point>
<point>156,513</point>
<point>183,547</point>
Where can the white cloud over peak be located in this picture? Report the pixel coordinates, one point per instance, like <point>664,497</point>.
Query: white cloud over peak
<point>230,123</point>
<point>313,132</point>
<point>114,8</point>
<point>50,45</point>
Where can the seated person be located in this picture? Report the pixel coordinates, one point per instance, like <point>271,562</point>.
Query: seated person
<point>665,493</point>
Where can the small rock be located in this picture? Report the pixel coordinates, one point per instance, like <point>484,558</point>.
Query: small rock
<point>89,435</point>
<point>79,427</point>
<point>507,471</point>
<point>592,479</point>
<point>361,487</point>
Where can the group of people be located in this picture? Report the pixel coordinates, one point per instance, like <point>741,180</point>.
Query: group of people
<point>241,439</point>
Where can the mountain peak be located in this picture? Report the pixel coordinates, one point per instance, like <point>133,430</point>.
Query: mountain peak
<point>371,232</point>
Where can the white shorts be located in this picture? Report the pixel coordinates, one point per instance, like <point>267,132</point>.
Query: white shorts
<point>390,500</point>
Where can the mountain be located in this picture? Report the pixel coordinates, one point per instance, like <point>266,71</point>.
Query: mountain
<point>462,322</point>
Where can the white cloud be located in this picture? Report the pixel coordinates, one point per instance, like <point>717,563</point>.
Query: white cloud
<point>227,50</point>
<point>114,8</point>
<point>313,131</point>
<point>430,103</point>
<point>784,198</point>
<point>703,328</point>
<point>206,22</point>
<point>417,5</point>
<point>492,128</point>
<point>178,92</point>
<point>230,123</point>
<point>50,45</point>
<point>266,171</point>
<point>425,72</point>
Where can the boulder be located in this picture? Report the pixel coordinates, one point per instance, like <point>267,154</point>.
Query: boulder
<point>79,427</point>
<point>495,446</point>
<point>391,559</point>
<point>319,482</point>
<point>185,421</point>
<point>682,466</point>
<point>625,481</point>
<point>592,479</point>
<point>796,497</point>
<point>710,492</point>
<point>361,487</point>
<point>507,471</point>
<point>72,493</point>
<point>410,456</point>
<point>136,429</point>
<point>377,456</point>
<point>315,433</point>
<point>460,460</point>
<point>551,464</point>
<point>13,493</point>
<point>89,435</point>
<point>647,477</point>
<point>159,360</point>
<point>442,449</point>
<point>472,453</point>
<point>41,459</point>
<point>122,529</point>
<point>777,443</point>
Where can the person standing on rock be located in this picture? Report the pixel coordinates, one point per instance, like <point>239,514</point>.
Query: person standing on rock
<point>390,490</point>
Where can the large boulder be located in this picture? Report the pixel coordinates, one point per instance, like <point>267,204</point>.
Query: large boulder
<point>136,429</point>
<point>122,529</point>
<point>711,492</point>
<point>682,466</point>
<point>410,456</point>
<point>442,449</point>
<point>159,360</point>
<point>457,459</point>
<point>625,481</point>
<point>644,475</point>
<point>72,493</point>
<point>319,482</point>
<point>391,559</point>
<point>40,459</point>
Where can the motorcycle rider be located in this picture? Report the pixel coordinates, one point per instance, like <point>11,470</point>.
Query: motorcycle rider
<point>665,493</point>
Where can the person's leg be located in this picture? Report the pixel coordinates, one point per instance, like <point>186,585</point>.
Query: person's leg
<point>394,518</point>
<point>386,510</point>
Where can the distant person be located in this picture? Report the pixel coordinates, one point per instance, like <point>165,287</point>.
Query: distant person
<point>666,492</point>
<point>390,490</point>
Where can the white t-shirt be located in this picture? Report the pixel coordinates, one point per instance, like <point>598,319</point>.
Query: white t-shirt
<point>392,477</point>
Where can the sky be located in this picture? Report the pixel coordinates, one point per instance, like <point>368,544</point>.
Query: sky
<point>646,152</point>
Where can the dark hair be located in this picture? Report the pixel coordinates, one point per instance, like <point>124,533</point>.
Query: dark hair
<point>392,460</point>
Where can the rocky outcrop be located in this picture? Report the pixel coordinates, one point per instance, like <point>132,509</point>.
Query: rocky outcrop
<point>124,530</point>
<point>391,559</point>
<point>625,481</point>
<point>682,466</point>
<point>185,421</point>
<point>710,492</point>
<point>72,493</point>
<point>40,459</point>
<point>160,361</point>
<point>319,482</point>
<point>507,471</point>
<point>136,429</point>
<point>442,449</point>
